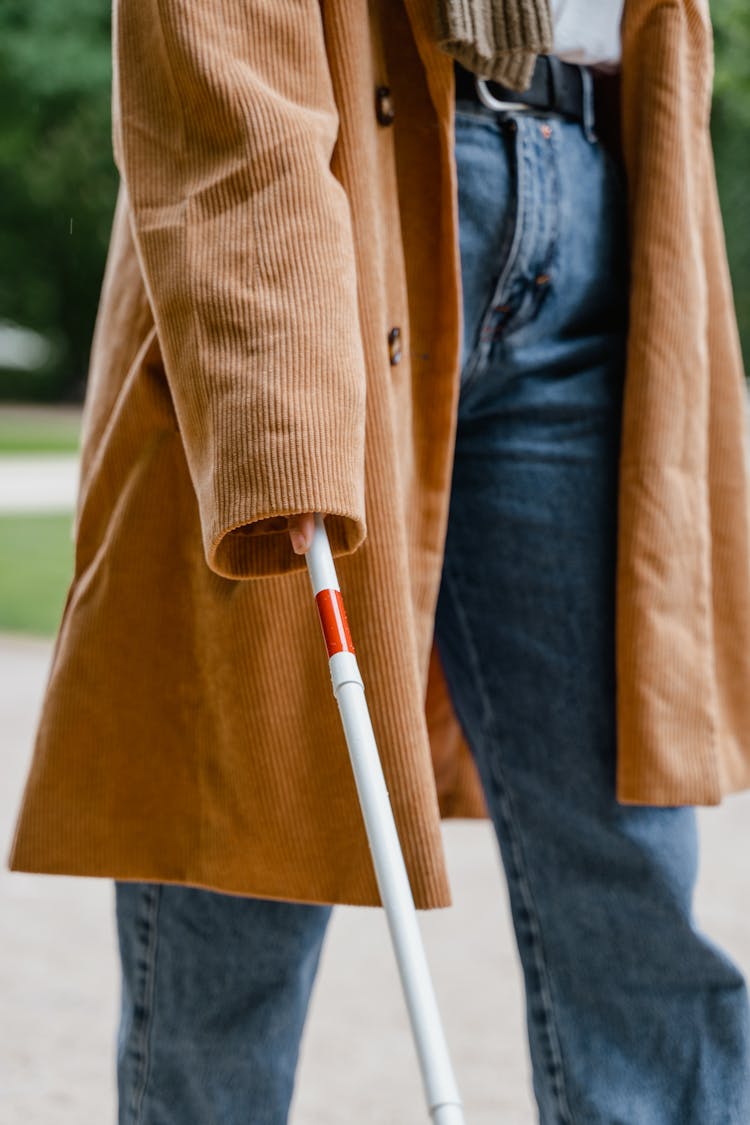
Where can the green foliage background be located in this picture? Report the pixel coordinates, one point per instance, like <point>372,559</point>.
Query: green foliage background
<point>730,130</point>
<point>58,181</point>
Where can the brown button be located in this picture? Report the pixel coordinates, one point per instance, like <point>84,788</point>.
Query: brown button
<point>394,345</point>
<point>384,109</point>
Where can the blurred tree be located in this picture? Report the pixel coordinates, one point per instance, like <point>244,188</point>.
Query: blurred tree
<point>730,131</point>
<point>57,180</point>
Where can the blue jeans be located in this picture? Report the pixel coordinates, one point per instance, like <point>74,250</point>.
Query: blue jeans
<point>634,1017</point>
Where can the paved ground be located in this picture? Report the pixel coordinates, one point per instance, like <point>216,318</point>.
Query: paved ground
<point>58,978</point>
<point>43,482</point>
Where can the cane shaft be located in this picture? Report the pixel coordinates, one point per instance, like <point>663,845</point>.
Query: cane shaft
<point>390,871</point>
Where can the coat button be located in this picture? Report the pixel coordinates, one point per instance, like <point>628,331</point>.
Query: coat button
<point>384,109</point>
<point>394,346</point>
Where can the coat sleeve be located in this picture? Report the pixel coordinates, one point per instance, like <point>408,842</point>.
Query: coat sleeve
<point>224,125</point>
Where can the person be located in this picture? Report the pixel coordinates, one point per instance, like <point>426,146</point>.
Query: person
<point>520,451</point>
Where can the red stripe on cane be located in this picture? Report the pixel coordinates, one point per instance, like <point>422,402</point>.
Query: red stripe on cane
<point>333,621</point>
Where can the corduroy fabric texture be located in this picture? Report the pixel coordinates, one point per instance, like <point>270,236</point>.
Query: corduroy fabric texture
<point>683,583</point>
<point>497,39</point>
<point>241,153</point>
<point>269,233</point>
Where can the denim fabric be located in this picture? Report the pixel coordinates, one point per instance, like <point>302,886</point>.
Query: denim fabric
<point>215,990</point>
<point>634,1017</point>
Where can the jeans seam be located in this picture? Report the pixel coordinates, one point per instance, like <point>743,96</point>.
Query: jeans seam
<point>477,360</point>
<point>548,205</point>
<point>506,809</point>
<point>151,897</point>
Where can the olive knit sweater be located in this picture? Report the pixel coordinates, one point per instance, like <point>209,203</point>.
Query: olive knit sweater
<point>497,39</point>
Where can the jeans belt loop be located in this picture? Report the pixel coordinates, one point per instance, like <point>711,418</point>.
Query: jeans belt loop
<point>588,104</point>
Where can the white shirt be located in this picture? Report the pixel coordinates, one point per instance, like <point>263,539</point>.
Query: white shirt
<point>587,31</point>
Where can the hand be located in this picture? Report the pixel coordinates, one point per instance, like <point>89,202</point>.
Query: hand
<point>301,530</point>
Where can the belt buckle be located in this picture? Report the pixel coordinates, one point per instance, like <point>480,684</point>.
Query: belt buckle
<point>489,100</point>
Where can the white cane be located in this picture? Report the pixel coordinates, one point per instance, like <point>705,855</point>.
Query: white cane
<point>437,1073</point>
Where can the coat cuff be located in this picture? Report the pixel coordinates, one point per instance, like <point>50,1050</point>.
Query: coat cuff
<point>224,132</point>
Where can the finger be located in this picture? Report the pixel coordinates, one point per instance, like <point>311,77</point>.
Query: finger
<point>301,529</point>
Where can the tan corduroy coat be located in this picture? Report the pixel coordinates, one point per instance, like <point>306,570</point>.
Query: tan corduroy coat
<point>271,229</point>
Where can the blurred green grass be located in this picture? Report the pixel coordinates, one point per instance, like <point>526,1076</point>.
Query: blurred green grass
<point>36,550</point>
<point>44,431</point>
<point>36,566</point>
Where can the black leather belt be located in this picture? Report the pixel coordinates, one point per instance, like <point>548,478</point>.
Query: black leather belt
<point>556,86</point>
